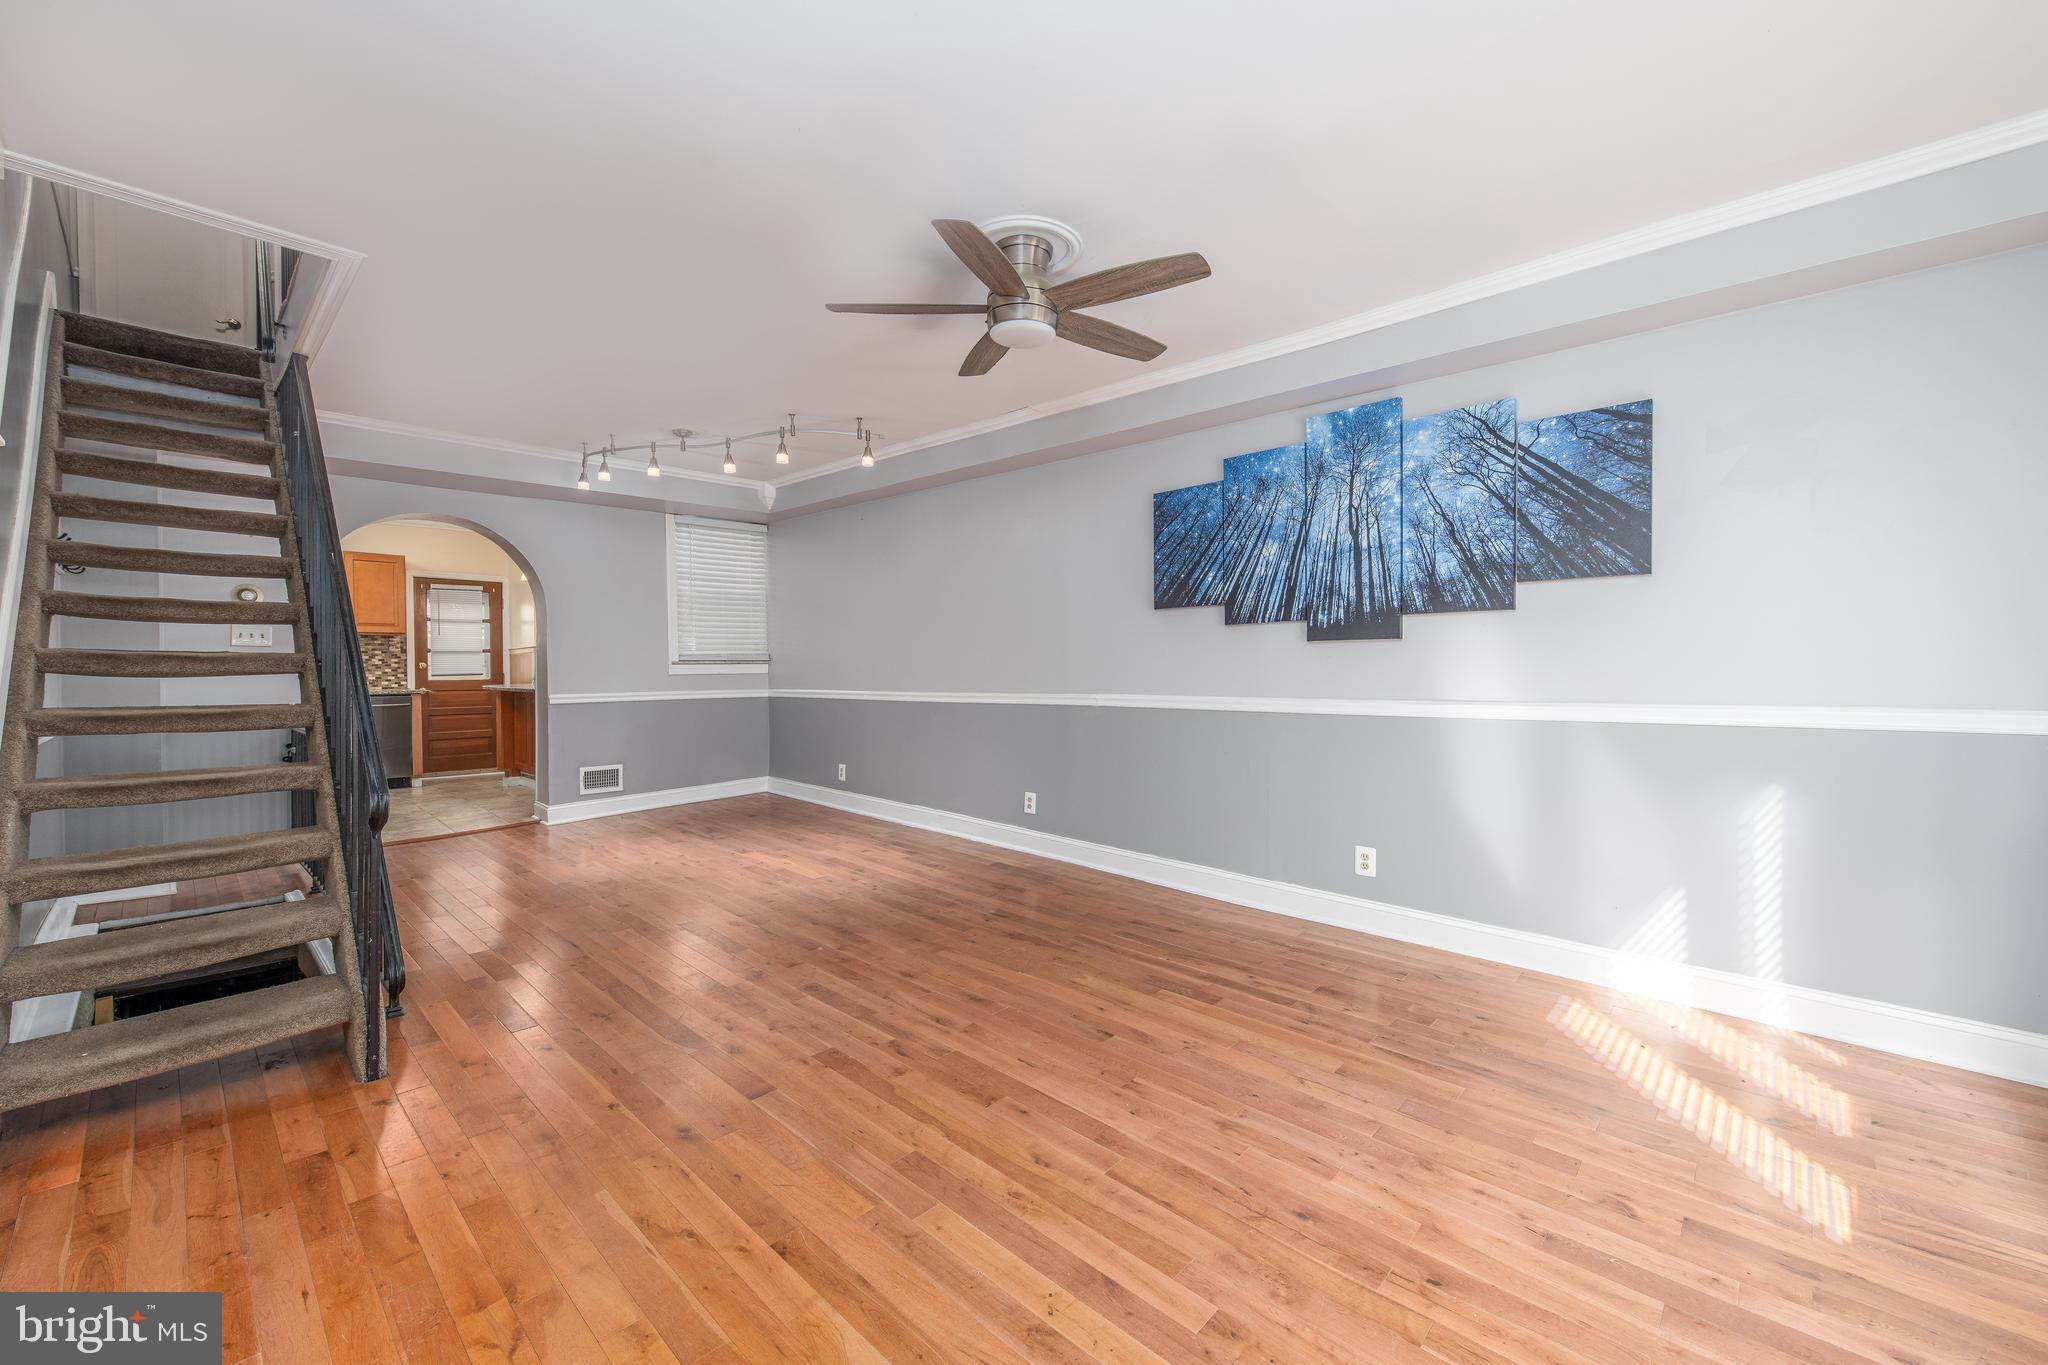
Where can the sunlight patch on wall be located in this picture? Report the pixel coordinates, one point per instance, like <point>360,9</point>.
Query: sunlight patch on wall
<point>1651,961</point>
<point>1807,1187</point>
<point>1762,898</point>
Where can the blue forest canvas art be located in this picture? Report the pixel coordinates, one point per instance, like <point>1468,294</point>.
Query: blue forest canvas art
<point>1372,516</point>
<point>1458,509</point>
<point>1266,505</point>
<point>1584,503</point>
<point>1187,549</point>
<point>1355,541</point>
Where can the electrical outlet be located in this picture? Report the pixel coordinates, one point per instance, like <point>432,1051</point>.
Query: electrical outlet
<point>249,637</point>
<point>1031,803</point>
<point>1367,861</point>
<point>842,772</point>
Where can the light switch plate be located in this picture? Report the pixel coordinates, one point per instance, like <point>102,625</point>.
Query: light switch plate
<point>249,637</point>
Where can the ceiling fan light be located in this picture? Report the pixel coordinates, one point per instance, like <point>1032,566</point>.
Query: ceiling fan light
<point>1021,334</point>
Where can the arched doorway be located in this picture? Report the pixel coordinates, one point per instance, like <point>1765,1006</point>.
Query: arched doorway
<point>453,628</point>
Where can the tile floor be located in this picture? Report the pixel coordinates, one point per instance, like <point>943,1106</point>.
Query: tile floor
<point>457,805</point>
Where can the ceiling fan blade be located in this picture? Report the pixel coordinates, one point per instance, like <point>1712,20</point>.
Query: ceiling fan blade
<point>918,308</point>
<point>1107,336</point>
<point>983,357</point>
<point>1129,281</point>
<point>980,255</point>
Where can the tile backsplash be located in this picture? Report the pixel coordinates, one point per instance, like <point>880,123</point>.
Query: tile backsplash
<point>384,662</point>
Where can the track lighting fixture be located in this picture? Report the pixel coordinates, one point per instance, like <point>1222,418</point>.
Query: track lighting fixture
<point>686,440</point>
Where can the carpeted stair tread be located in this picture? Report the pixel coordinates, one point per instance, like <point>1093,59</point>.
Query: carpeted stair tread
<point>147,1044</point>
<point>77,874</point>
<point>188,610</point>
<point>91,393</point>
<point>161,371</point>
<point>175,784</point>
<point>151,559</point>
<point>86,507</point>
<point>108,335</point>
<point>78,426</point>
<point>87,464</point>
<point>115,957</point>
<point>170,720</point>
<point>167,663</point>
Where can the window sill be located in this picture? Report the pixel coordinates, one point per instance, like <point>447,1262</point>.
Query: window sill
<point>717,668</point>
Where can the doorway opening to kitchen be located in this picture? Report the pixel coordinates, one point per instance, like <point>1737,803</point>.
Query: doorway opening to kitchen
<point>450,620</point>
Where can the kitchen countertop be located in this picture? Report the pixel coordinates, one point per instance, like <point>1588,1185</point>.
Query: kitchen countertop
<point>398,691</point>
<point>508,687</point>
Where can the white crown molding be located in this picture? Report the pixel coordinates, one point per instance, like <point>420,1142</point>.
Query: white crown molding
<point>2012,135</point>
<point>1989,1049</point>
<point>179,208</point>
<point>343,263</point>
<point>569,812</point>
<point>607,698</point>
<point>1910,719</point>
<point>500,447</point>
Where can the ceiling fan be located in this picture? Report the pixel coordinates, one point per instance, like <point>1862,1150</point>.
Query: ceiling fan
<point>1015,259</point>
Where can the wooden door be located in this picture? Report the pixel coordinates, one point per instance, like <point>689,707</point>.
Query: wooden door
<point>458,634</point>
<point>376,587</point>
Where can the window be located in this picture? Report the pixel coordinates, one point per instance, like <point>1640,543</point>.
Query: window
<point>458,632</point>
<point>717,596</point>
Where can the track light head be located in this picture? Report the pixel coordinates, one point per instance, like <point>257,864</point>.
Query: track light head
<point>782,447</point>
<point>731,466</point>
<point>653,462</point>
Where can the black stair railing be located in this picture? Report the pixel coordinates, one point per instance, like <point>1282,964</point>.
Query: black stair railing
<point>362,797</point>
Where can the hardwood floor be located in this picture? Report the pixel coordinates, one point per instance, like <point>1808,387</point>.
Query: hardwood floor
<point>757,1081</point>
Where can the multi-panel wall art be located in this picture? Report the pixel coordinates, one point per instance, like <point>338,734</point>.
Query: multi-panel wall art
<point>1376,514</point>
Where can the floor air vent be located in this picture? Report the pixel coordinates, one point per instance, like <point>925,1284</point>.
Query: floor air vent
<point>610,777</point>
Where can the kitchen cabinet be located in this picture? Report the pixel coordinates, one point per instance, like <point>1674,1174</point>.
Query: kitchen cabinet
<point>376,585</point>
<point>514,708</point>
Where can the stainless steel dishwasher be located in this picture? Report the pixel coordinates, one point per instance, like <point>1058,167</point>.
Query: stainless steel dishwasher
<point>393,714</point>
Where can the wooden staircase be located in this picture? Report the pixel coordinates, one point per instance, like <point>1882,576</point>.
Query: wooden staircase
<point>117,399</point>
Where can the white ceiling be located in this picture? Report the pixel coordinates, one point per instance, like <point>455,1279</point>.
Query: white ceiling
<point>624,217</point>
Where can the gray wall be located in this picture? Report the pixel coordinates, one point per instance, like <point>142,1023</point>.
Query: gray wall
<point>600,583</point>
<point>1845,512</point>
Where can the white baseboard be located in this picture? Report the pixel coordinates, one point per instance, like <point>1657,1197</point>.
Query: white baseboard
<point>566,812</point>
<point>1990,1049</point>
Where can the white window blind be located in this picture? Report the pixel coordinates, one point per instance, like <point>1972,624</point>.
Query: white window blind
<point>718,591</point>
<point>458,632</point>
